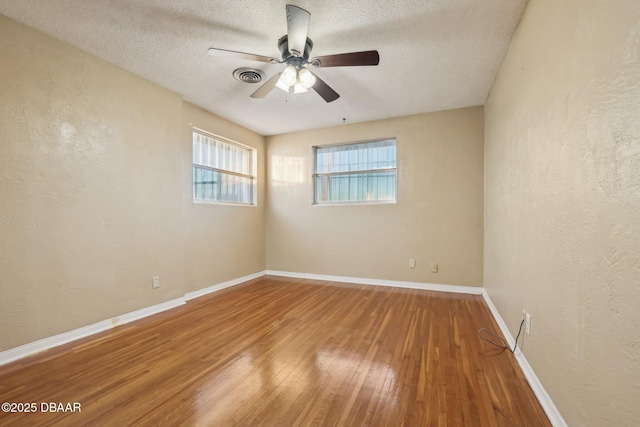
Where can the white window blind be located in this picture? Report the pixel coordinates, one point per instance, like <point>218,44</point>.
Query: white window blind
<point>355,173</point>
<point>222,171</point>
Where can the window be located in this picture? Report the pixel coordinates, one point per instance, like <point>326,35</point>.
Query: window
<point>223,171</point>
<point>363,172</point>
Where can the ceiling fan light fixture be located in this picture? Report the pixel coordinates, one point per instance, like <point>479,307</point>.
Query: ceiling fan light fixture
<point>306,78</point>
<point>289,76</point>
<point>281,85</point>
<point>299,88</point>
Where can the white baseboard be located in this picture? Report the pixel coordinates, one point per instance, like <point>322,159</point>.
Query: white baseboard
<point>66,337</point>
<point>25,350</point>
<point>543,397</point>
<point>200,292</point>
<point>381,282</point>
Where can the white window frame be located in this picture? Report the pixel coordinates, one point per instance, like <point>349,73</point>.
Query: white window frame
<point>316,174</point>
<point>252,175</point>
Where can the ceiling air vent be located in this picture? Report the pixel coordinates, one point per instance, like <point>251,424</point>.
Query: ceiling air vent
<point>248,75</point>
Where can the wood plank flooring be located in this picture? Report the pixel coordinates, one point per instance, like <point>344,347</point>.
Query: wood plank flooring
<point>285,352</point>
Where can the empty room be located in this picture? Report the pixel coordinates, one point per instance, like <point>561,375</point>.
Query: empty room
<point>305,213</point>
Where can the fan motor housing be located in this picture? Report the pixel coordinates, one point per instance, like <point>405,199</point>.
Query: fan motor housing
<point>283,46</point>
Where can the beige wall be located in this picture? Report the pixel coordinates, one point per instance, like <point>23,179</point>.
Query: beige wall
<point>94,200</point>
<point>562,202</point>
<point>221,242</point>
<point>438,216</point>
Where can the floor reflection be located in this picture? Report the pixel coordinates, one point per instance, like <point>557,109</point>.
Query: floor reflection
<point>222,395</point>
<point>276,374</point>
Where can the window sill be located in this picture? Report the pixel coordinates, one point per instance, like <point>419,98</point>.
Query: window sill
<point>376,203</point>
<point>213,202</point>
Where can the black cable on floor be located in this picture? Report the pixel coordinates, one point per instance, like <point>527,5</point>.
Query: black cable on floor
<point>501,342</point>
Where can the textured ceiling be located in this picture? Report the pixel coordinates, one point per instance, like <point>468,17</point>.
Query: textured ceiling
<point>434,54</point>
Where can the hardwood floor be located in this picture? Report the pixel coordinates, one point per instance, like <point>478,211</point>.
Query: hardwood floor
<point>285,352</point>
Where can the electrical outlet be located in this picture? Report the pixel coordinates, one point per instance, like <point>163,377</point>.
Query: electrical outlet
<point>412,263</point>
<point>156,282</point>
<point>527,323</point>
<point>434,267</point>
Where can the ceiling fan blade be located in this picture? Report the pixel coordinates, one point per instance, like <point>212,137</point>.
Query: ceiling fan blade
<point>324,90</point>
<point>266,88</point>
<point>353,59</point>
<point>297,29</point>
<point>233,54</point>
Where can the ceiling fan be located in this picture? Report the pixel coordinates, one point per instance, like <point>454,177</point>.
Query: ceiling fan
<point>295,47</point>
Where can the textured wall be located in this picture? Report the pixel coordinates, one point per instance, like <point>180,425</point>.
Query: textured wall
<point>221,242</point>
<point>562,202</point>
<point>93,201</point>
<point>438,216</point>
